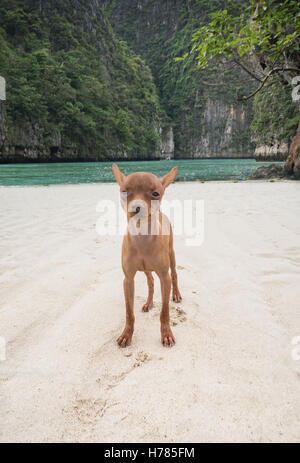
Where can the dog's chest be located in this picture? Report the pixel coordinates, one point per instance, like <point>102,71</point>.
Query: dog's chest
<point>147,252</point>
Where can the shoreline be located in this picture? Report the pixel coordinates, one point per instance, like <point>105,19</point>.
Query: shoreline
<point>85,161</point>
<point>179,182</point>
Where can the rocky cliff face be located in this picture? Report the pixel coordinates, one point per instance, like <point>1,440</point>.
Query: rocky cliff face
<point>206,120</point>
<point>272,151</point>
<point>167,143</point>
<point>274,123</point>
<point>3,129</point>
<point>221,130</point>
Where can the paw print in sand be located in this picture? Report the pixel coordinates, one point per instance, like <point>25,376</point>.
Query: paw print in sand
<point>141,358</point>
<point>177,315</point>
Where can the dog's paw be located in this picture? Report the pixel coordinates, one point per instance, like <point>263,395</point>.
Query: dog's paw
<point>176,296</point>
<point>146,307</point>
<point>167,337</point>
<point>125,339</point>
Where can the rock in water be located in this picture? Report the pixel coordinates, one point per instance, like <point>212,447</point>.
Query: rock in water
<point>272,171</point>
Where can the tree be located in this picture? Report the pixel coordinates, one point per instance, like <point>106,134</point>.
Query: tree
<point>263,41</point>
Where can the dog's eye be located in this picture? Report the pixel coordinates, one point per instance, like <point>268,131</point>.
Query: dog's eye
<point>155,194</point>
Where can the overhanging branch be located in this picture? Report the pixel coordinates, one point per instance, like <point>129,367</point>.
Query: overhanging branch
<point>270,73</point>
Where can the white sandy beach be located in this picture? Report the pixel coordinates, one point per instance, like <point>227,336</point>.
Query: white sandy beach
<point>231,376</point>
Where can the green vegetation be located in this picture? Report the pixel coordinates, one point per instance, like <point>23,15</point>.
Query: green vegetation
<point>267,29</point>
<point>264,41</point>
<point>82,85</point>
<point>276,116</point>
<point>185,90</point>
<point>162,31</point>
<point>78,90</point>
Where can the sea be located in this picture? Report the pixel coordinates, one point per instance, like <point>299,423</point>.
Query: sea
<point>100,172</point>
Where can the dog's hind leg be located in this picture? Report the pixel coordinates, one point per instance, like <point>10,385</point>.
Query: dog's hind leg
<point>149,304</point>
<point>176,296</point>
<point>167,337</point>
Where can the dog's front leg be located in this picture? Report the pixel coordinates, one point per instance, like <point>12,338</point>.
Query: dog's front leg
<point>167,337</point>
<point>125,338</point>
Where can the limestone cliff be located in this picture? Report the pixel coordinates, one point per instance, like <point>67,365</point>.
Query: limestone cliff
<point>3,129</point>
<point>74,91</point>
<point>80,89</point>
<point>207,121</point>
<point>221,130</point>
<point>272,150</point>
<point>275,121</point>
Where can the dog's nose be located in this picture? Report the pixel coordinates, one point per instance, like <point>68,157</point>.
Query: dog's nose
<point>138,206</point>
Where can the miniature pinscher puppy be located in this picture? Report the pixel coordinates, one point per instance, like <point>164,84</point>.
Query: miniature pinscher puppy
<point>147,246</point>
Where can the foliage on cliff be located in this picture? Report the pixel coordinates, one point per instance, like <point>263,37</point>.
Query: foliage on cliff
<point>275,115</point>
<point>76,79</point>
<point>161,31</point>
<point>264,41</point>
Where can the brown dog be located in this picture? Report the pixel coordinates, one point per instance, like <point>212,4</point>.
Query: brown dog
<point>147,246</point>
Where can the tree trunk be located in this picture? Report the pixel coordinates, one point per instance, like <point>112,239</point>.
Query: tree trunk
<point>292,166</point>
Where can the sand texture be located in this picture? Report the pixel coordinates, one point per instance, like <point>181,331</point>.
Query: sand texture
<point>231,375</point>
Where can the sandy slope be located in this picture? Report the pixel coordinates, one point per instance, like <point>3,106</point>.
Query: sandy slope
<point>230,377</point>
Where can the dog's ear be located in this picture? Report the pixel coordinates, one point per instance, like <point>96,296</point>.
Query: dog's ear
<point>119,176</point>
<point>169,178</point>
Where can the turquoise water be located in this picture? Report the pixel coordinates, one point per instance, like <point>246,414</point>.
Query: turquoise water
<point>96,172</point>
